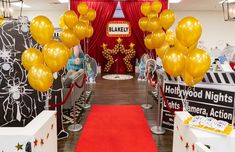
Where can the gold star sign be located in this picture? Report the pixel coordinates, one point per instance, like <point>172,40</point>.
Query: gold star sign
<point>104,46</point>
<point>119,40</point>
<point>132,45</point>
<point>19,147</point>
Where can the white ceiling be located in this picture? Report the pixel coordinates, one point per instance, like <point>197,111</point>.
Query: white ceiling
<point>194,5</point>
<point>36,5</point>
<point>197,5</point>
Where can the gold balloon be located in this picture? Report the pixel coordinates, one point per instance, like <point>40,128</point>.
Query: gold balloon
<point>162,50</point>
<point>82,8</point>
<point>40,78</point>
<point>42,29</point>
<point>62,24</point>
<point>170,37</point>
<point>56,55</point>
<point>189,80</point>
<point>89,31</point>
<point>148,42</point>
<point>152,14</point>
<point>70,18</point>
<point>181,47</point>
<point>173,62</point>
<point>80,30</point>
<point>143,23</point>
<point>167,19</point>
<point>84,19</point>
<point>145,8</point>
<point>31,57</point>
<point>153,25</point>
<point>188,31</point>
<point>69,38</point>
<point>158,38</point>
<point>1,20</point>
<point>91,14</point>
<point>156,6</point>
<point>197,62</point>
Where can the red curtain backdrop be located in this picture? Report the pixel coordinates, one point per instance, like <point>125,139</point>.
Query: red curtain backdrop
<point>105,10</point>
<point>104,13</point>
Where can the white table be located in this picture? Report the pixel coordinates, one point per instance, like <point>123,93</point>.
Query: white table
<point>40,133</point>
<point>188,139</point>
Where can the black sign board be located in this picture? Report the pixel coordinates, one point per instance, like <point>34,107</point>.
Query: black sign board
<point>208,102</point>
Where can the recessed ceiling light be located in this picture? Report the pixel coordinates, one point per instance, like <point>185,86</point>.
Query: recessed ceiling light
<point>19,4</point>
<point>174,1</point>
<point>63,1</point>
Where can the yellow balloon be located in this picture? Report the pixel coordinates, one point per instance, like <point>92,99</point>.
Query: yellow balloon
<point>162,50</point>
<point>173,62</point>
<point>82,8</point>
<point>62,24</point>
<point>56,55</point>
<point>152,14</point>
<point>145,8</point>
<point>84,19</point>
<point>158,38</point>
<point>188,31</point>
<point>170,37</point>
<point>91,14</point>
<point>80,30</point>
<point>148,42</point>
<point>40,78</point>
<point>31,57</point>
<point>156,6</point>
<point>69,38</point>
<point>181,47</point>
<point>42,29</point>
<point>197,62</point>
<point>153,25</point>
<point>143,23</point>
<point>190,80</point>
<point>70,18</point>
<point>89,31</point>
<point>167,19</point>
<point>1,20</point>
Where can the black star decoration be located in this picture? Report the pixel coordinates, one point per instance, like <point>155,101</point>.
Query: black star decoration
<point>19,147</point>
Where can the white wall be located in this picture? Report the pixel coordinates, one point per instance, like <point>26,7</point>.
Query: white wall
<point>216,31</point>
<point>53,15</point>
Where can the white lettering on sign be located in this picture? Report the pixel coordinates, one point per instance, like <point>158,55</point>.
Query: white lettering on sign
<point>118,29</point>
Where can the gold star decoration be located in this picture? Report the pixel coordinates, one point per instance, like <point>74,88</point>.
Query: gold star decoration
<point>132,45</point>
<point>47,135</point>
<point>104,46</point>
<point>119,40</point>
<point>42,142</point>
<point>186,145</point>
<point>19,147</point>
<point>35,142</point>
<point>119,47</point>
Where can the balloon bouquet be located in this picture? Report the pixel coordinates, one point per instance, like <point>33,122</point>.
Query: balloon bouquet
<point>55,54</point>
<point>179,53</point>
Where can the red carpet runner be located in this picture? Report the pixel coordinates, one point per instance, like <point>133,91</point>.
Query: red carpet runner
<point>116,129</point>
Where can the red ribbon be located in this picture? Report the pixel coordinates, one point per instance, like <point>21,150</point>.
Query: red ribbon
<point>69,93</point>
<point>164,98</point>
<point>83,82</point>
<point>167,103</point>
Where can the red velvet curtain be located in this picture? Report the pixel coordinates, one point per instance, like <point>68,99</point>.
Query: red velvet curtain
<point>131,10</point>
<point>104,13</point>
